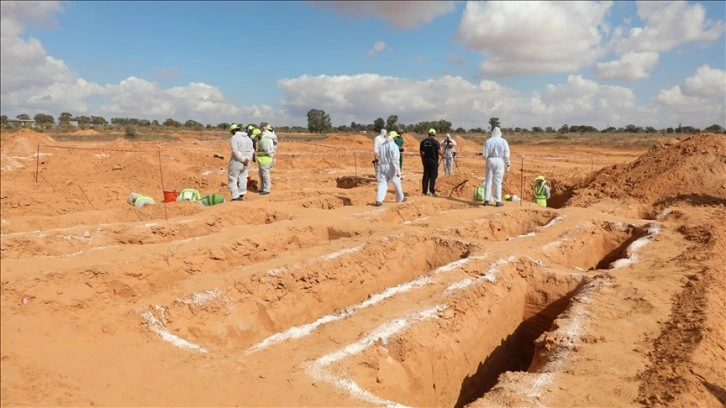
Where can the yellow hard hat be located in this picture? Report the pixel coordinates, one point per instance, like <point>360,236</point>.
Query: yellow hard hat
<point>507,197</point>
<point>432,131</point>
<point>540,178</point>
<point>392,133</point>
<point>256,132</point>
<point>234,127</point>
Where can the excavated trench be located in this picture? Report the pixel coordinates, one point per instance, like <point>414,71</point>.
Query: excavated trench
<point>594,245</point>
<point>269,302</point>
<point>502,226</point>
<point>480,332</point>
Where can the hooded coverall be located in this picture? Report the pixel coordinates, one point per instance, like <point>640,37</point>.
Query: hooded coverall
<point>377,142</point>
<point>496,153</point>
<point>237,171</point>
<point>265,150</point>
<point>448,145</point>
<point>389,170</point>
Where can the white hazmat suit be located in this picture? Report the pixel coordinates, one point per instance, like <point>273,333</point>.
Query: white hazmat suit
<point>496,153</point>
<point>237,171</point>
<point>389,171</point>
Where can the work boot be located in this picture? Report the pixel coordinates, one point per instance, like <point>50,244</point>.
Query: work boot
<point>499,204</point>
<point>264,192</point>
<point>485,203</point>
<point>378,204</point>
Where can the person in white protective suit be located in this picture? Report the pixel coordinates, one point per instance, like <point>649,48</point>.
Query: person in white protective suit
<point>449,146</point>
<point>389,170</point>
<point>239,162</point>
<point>377,142</point>
<point>269,133</point>
<point>496,153</point>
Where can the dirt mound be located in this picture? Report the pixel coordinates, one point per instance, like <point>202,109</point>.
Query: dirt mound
<point>348,139</point>
<point>23,142</point>
<point>86,132</point>
<point>674,170</point>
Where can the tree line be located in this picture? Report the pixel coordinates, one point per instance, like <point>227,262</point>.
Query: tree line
<point>320,122</point>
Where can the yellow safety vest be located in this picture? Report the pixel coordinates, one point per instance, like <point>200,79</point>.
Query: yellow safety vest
<point>262,157</point>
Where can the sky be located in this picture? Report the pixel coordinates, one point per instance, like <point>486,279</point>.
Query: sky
<point>528,63</point>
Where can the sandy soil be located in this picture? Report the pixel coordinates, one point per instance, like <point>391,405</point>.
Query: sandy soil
<point>311,296</point>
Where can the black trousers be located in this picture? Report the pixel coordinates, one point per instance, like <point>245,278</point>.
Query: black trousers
<point>430,174</point>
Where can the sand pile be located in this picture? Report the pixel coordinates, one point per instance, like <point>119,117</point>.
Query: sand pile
<point>86,132</point>
<point>356,139</point>
<point>23,142</point>
<point>691,170</point>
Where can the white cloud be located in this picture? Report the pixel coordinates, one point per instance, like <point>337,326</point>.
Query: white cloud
<point>401,14</point>
<point>378,46</point>
<point>630,67</point>
<point>365,97</point>
<point>667,25</point>
<point>520,37</point>
<point>31,81</point>
<point>700,102</point>
<point>707,82</point>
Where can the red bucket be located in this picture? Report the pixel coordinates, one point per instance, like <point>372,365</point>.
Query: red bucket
<point>170,196</point>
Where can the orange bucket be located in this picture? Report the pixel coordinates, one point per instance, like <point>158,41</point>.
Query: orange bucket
<point>170,196</point>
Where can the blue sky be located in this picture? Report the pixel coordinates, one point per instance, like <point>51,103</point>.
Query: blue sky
<point>528,63</point>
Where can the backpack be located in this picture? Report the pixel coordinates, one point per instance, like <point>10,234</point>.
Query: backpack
<point>212,199</point>
<point>479,194</point>
<point>189,194</point>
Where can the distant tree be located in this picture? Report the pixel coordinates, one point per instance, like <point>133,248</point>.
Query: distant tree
<point>460,130</point>
<point>493,122</point>
<point>171,123</point>
<point>476,130</point>
<point>99,120</point>
<point>517,130</point>
<point>632,129</point>
<point>713,129</point>
<point>610,129</point>
<point>23,116</point>
<point>223,126</point>
<point>537,129</point>
<point>43,119</point>
<point>564,129</point>
<point>318,121</point>
<point>391,122</point>
<point>378,124</point>
<point>64,118</point>
<point>4,119</point>
<point>192,124</point>
<point>154,122</point>
<point>342,128</point>
<point>549,129</point>
<point>83,121</point>
<point>650,129</point>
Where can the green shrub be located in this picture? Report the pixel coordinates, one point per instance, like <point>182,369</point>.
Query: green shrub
<point>130,132</point>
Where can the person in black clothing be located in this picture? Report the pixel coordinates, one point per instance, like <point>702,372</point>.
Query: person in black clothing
<point>430,150</point>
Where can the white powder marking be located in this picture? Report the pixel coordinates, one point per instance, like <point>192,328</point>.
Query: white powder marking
<point>318,369</point>
<point>157,327</point>
<point>201,298</point>
<point>635,246</point>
